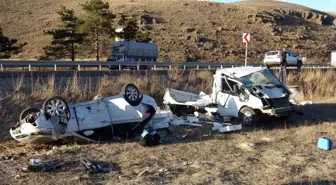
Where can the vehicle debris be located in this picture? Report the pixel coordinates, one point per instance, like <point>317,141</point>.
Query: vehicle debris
<point>10,157</point>
<point>226,127</point>
<point>306,103</point>
<point>144,172</point>
<point>35,165</point>
<point>93,166</point>
<point>150,137</point>
<point>247,146</point>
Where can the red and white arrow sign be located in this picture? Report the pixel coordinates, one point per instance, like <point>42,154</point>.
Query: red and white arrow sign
<point>246,37</point>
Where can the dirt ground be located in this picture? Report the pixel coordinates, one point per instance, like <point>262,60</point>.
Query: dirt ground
<point>273,152</point>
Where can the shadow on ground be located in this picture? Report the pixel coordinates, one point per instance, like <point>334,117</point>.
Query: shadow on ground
<point>313,183</point>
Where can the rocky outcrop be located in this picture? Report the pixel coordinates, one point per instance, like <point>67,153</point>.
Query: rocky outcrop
<point>319,18</point>
<point>284,15</point>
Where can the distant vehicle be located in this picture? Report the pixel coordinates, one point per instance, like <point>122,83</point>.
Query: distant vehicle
<point>333,58</point>
<point>273,58</point>
<point>125,51</point>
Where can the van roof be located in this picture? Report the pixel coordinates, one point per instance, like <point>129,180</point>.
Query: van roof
<point>239,71</point>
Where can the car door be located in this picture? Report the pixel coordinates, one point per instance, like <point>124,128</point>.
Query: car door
<point>121,111</point>
<point>290,58</point>
<point>226,98</point>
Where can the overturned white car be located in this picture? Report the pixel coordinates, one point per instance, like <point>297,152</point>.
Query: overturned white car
<point>97,120</point>
<point>243,93</point>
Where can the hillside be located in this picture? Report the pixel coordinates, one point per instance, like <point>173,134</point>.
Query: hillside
<point>189,29</point>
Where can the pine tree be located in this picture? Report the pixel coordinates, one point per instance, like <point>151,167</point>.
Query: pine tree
<point>132,31</point>
<point>9,47</point>
<point>66,38</point>
<point>98,20</point>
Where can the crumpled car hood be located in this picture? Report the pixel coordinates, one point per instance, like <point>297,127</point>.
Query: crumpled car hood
<point>273,92</point>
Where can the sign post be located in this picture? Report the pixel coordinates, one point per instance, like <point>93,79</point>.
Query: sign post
<point>246,39</point>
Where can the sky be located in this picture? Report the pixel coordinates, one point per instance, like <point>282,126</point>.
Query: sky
<point>322,5</point>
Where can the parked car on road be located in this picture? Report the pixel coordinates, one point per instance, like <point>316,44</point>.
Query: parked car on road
<point>273,58</point>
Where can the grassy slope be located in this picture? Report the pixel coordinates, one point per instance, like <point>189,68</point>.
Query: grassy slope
<point>219,27</point>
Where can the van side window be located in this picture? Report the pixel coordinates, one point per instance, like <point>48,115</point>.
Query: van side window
<point>227,87</point>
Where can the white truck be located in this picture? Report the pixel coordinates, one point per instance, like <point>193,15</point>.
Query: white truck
<point>244,93</point>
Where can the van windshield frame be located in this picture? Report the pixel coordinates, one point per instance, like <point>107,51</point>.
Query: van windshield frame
<point>260,78</point>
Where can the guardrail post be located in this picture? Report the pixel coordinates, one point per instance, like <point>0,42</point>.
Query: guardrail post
<point>154,67</point>
<point>209,67</point>
<point>221,66</point>
<point>78,67</point>
<point>197,67</point>
<point>100,68</point>
<point>55,67</point>
<point>138,67</point>
<point>1,67</point>
<point>119,67</point>
<point>169,67</point>
<point>184,67</point>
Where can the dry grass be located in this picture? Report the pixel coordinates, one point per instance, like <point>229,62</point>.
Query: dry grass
<point>281,156</point>
<point>284,153</point>
<point>315,84</point>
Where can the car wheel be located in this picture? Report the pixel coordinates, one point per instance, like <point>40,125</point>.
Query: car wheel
<point>132,94</point>
<point>248,116</point>
<point>27,112</point>
<point>57,106</point>
<point>299,64</point>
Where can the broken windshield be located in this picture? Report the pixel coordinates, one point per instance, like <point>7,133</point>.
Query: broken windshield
<point>264,77</point>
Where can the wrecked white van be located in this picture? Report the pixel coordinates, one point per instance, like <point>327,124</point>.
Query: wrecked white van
<point>246,93</point>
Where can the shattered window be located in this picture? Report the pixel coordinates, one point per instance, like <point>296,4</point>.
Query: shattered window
<point>264,77</point>
<point>226,86</point>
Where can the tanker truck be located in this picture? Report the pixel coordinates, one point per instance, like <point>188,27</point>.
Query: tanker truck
<point>135,52</point>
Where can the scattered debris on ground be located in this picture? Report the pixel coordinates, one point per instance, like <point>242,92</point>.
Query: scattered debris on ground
<point>93,166</point>
<point>36,165</point>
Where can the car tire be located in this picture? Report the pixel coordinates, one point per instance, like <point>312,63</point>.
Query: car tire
<point>248,117</point>
<point>268,66</point>
<point>299,64</point>
<point>132,94</point>
<point>27,111</point>
<point>49,108</point>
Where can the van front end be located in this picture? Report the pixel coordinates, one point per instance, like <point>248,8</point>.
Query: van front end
<point>279,107</point>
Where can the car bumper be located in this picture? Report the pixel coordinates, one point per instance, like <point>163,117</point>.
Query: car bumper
<point>279,112</point>
<point>272,62</point>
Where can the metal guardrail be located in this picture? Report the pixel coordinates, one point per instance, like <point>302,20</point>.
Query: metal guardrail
<point>29,64</point>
